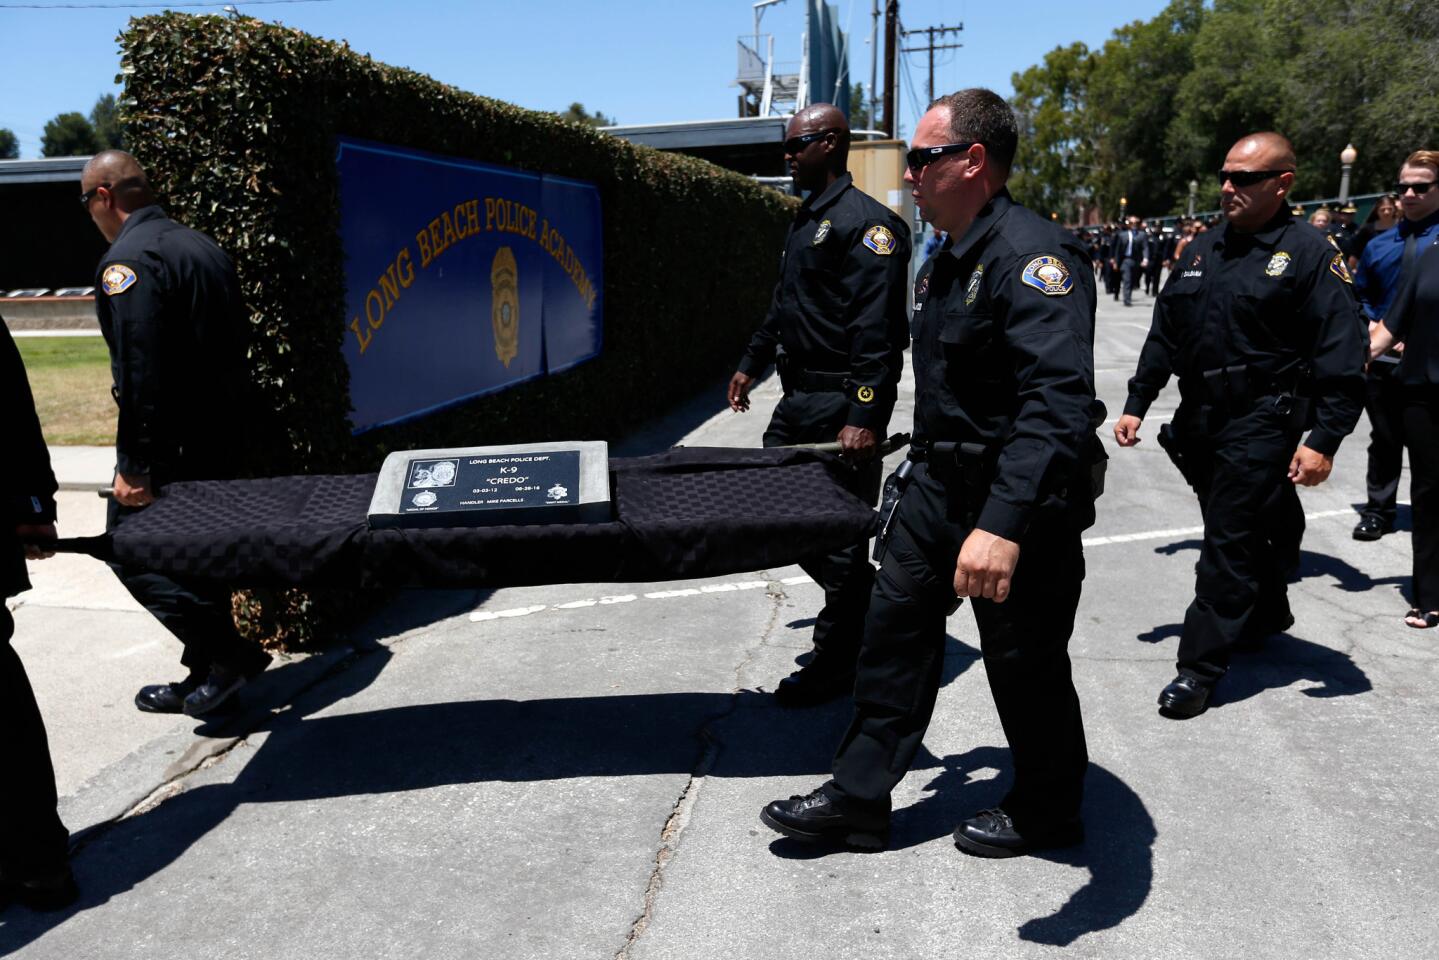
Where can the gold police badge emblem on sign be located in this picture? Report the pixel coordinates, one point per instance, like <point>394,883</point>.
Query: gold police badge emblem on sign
<point>880,240</point>
<point>1048,275</point>
<point>1277,264</point>
<point>117,278</point>
<point>820,233</point>
<point>505,304</point>
<point>1338,268</point>
<point>971,292</point>
<point>864,394</point>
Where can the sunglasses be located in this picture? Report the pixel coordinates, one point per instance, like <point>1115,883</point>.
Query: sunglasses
<point>1419,189</point>
<point>795,144</point>
<point>921,157</point>
<point>89,195</point>
<point>1248,178</point>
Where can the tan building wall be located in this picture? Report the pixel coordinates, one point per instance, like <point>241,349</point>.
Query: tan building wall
<point>878,168</point>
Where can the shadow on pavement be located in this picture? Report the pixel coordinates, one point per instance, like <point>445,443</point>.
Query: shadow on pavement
<point>1118,851</point>
<point>308,757</point>
<point>1280,661</point>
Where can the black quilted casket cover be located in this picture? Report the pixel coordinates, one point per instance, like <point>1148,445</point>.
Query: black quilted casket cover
<point>691,512</point>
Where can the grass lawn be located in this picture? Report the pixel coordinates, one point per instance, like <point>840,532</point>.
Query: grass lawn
<point>70,377</point>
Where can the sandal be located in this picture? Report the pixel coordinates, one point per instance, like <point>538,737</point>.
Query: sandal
<point>1420,620</point>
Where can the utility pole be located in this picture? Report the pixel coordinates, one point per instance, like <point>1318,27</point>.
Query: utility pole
<point>873,62</point>
<point>891,27</point>
<point>931,47</point>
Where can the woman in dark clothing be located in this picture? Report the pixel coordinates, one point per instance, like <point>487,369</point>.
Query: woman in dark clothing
<point>1414,319</point>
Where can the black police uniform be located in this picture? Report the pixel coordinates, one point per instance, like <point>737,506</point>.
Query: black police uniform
<point>32,838</point>
<point>1004,409</point>
<point>837,328</point>
<point>1266,337</point>
<point>170,309</point>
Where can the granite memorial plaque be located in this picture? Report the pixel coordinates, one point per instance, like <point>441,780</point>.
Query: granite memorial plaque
<point>562,482</point>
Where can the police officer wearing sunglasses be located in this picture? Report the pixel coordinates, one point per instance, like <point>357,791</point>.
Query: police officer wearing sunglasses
<point>1260,324</point>
<point>837,328</point>
<point>995,493</point>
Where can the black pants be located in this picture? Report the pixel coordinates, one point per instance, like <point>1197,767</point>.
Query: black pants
<point>1024,642</point>
<point>845,575</point>
<point>1384,402</point>
<point>196,613</point>
<point>1421,430</point>
<point>33,841</point>
<point>1110,276</point>
<point>1151,277</point>
<point>1253,526</point>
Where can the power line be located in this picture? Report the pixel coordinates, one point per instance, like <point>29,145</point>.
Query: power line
<point>136,6</point>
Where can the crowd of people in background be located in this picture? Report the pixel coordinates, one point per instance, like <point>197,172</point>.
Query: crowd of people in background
<point>1162,244</point>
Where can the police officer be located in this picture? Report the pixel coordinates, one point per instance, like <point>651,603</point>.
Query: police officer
<point>170,309</point>
<point>33,841</point>
<point>837,328</point>
<point>1260,323</point>
<point>999,487</point>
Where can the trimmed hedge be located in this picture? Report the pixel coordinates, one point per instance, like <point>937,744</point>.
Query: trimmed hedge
<point>236,122</point>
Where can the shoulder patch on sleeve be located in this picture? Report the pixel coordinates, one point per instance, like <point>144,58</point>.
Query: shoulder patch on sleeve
<point>117,278</point>
<point>1048,275</point>
<point>1340,269</point>
<point>880,240</point>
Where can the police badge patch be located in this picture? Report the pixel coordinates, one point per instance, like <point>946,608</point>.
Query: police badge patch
<point>1048,275</point>
<point>1337,267</point>
<point>1277,264</point>
<point>864,394</point>
<point>971,292</point>
<point>880,240</point>
<point>505,305</point>
<point>820,233</point>
<point>117,278</point>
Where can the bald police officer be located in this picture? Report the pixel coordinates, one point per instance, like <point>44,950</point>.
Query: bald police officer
<point>837,327</point>
<point>170,309</point>
<point>999,488</point>
<point>1260,323</point>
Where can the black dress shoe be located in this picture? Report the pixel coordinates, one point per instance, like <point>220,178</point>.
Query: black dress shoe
<point>1371,527</point>
<point>817,818</point>
<point>991,833</point>
<point>55,890</point>
<point>221,683</point>
<point>166,697</point>
<point>821,680</point>
<point>1185,697</point>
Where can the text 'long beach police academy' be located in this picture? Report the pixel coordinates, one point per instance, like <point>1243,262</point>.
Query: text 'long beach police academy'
<point>448,229</point>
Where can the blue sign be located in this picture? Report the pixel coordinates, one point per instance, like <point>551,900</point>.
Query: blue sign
<point>462,278</point>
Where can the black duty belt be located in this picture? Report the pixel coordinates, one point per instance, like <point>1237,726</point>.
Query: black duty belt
<point>1244,383</point>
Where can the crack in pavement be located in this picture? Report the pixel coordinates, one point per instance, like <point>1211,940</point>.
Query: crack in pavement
<point>680,814</point>
<point>208,752</point>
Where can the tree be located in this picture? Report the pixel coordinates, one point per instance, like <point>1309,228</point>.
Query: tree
<point>859,118</point>
<point>1054,164</point>
<point>1131,97</point>
<point>9,146</point>
<point>105,117</point>
<point>579,114</point>
<point>69,135</point>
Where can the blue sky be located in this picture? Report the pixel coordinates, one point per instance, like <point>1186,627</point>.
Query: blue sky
<point>642,61</point>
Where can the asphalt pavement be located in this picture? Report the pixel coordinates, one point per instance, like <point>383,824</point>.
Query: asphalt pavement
<point>576,771</point>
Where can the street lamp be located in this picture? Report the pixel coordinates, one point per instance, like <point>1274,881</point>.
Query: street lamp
<point>1193,191</point>
<point>1347,156</point>
<point>1123,205</point>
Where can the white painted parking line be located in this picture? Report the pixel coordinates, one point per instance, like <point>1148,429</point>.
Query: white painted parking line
<point>735,586</point>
